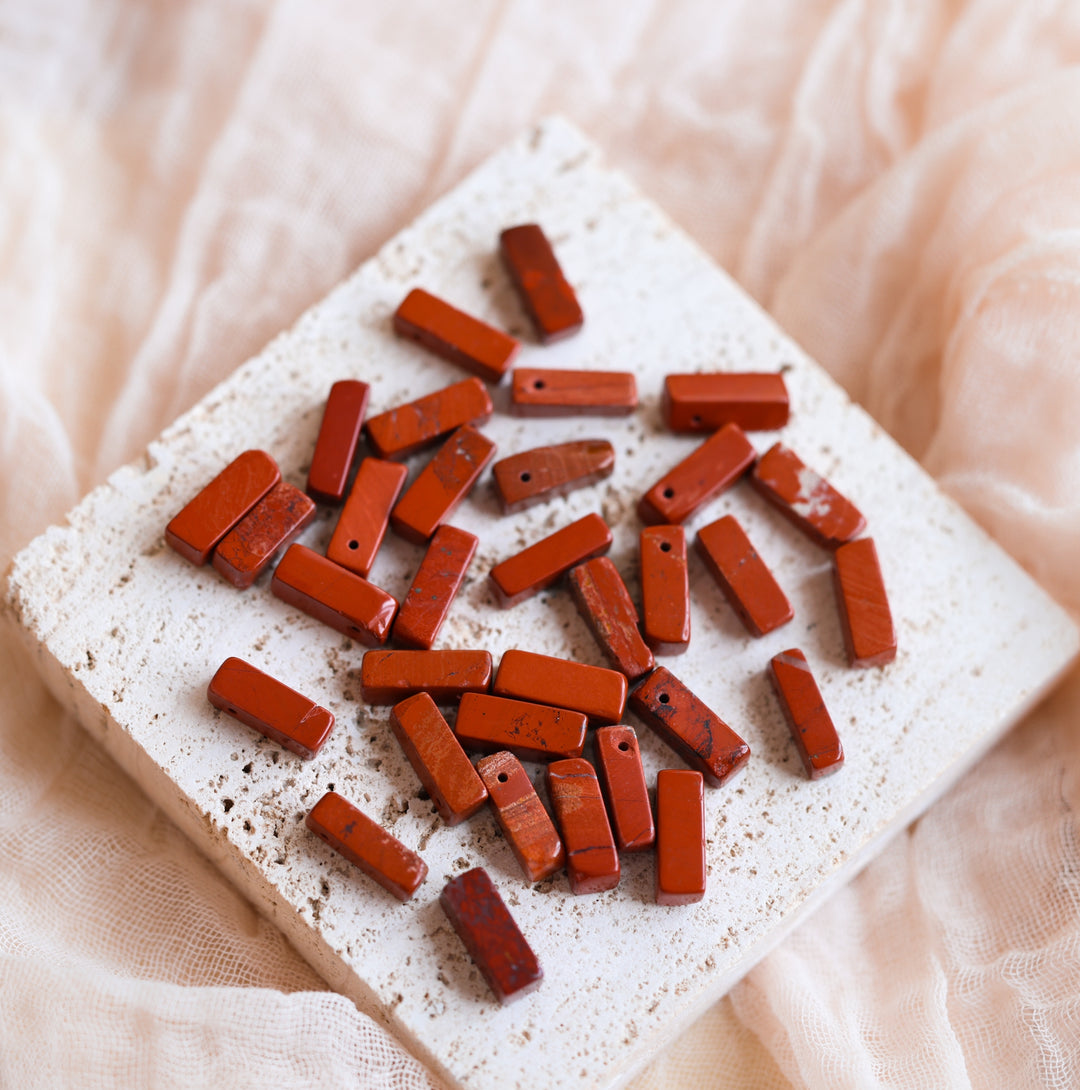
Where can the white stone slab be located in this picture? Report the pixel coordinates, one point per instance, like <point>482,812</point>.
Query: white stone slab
<point>128,635</point>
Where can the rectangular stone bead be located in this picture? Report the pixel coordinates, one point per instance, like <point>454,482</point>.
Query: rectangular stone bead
<point>434,587</point>
<point>807,717</point>
<point>607,608</point>
<point>495,943</point>
<point>680,837</point>
<point>417,424</point>
<point>547,560</point>
<point>544,473</point>
<point>544,679</point>
<point>216,509</point>
<point>455,335</point>
<point>535,732</point>
<point>270,707</point>
<point>521,816</point>
<point>442,484</point>
<point>592,861</point>
<point>335,447</point>
<point>367,845</point>
<point>248,549</point>
<point>865,618</point>
<point>755,401</point>
<point>543,391</point>
<point>690,727</point>
<point>716,465</point>
<point>361,526</point>
<point>805,498</point>
<point>622,777</point>
<point>333,595</point>
<point>389,676</point>
<point>741,574</point>
<point>537,276</point>
<point>665,589</point>
<point>437,758</point>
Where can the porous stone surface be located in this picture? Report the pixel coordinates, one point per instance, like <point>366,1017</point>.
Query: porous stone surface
<point>128,635</point>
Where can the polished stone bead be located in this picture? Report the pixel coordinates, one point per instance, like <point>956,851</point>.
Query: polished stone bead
<point>544,473</point>
<point>248,549</point>
<point>434,587</point>
<point>665,589</point>
<point>209,516</point>
<point>389,676</point>
<point>544,679</point>
<point>362,523</point>
<point>333,595</point>
<point>535,272</point>
<point>865,617</point>
<point>521,816</point>
<point>437,758</point>
<point>805,498</point>
<point>335,446</point>
<point>541,391</point>
<point>495,943</point>
<point>592,861</point>
<point>455,335</point>
<point>404,430</point>
<point>535,732</point>
<point>742,575</point>
<point>807,717</point>
<point>705,402</point>
<point>367,845</point>
<point>607,608</point>
<point>442,484</point>
<point>618,766</point>
<point>680,837</point>
<point>270,707</point>
<point>716,465</point>
<point>546,561</point>
<point>690,727</point>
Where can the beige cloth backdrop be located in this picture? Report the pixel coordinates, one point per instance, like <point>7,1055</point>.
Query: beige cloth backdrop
<point>898,181</point>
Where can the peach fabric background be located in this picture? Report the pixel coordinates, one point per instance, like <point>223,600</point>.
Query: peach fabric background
<point>898,181</point>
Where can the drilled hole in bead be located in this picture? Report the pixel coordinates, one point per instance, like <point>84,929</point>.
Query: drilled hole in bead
<point>695,419</point>
<point>526,477</point>
<point>538,384</point>
<point>664,698</point>
<point>502,777</point>
<point>354,545</point>
<point>669,492</point>
<point>624,746</point>
<point>665,546</point>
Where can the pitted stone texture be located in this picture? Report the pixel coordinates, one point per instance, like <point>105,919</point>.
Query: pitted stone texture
<point>128,634</point>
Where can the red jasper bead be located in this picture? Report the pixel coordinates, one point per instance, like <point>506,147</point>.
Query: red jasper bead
<point>592,863</point>
<point>535,732</point>
<point>618,766</point>
<point>705,402</point>
<point>807,717</point>
<point>598,693</point>
<point>362,523</point>
<point>606,606</point>
<point>539,391</point>
<point>865,617</point>
<point>436,584</point>
<point>389,676</point>
<point>536,274</point>
<point>665,589</point>
<point>335,447</point>
<point>543,473</point>
<point>680,837</point>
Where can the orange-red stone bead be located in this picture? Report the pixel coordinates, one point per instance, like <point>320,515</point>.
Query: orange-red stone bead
<point>433,589</point>
<point>442,484</point>
<point>805,498</point>
<point>618,766</point>
<point>455,335</point>
<point>690,727</point>
<point>495,943</point>
<point>592,862</point>
<point>247,550</point>
<point>362,523</point>
<point>544,562</point>
<point>716,465</point>
<point>545,292</point>
<point>338,598</point>
<point>535,732</point>
<point>865,617</point>
<point>389,676</point>
<point>747,583</point>
<point>680,837</point>
<point>704,402</point>
<point>521,816</point>
<point>437,758</point>
<point>270,707</point>
<point>543,473</point>
<point>665,589</point>
<point>541,391</point>
<point>207,518</point>
<point>335,447</point>
<point>544,679</point>
<point>367,845</point>
<point>402,431</point>
<point>607,608</point>
<point>807,717</point>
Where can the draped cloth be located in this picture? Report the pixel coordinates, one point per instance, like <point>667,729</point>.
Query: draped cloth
<point>896,181</point>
